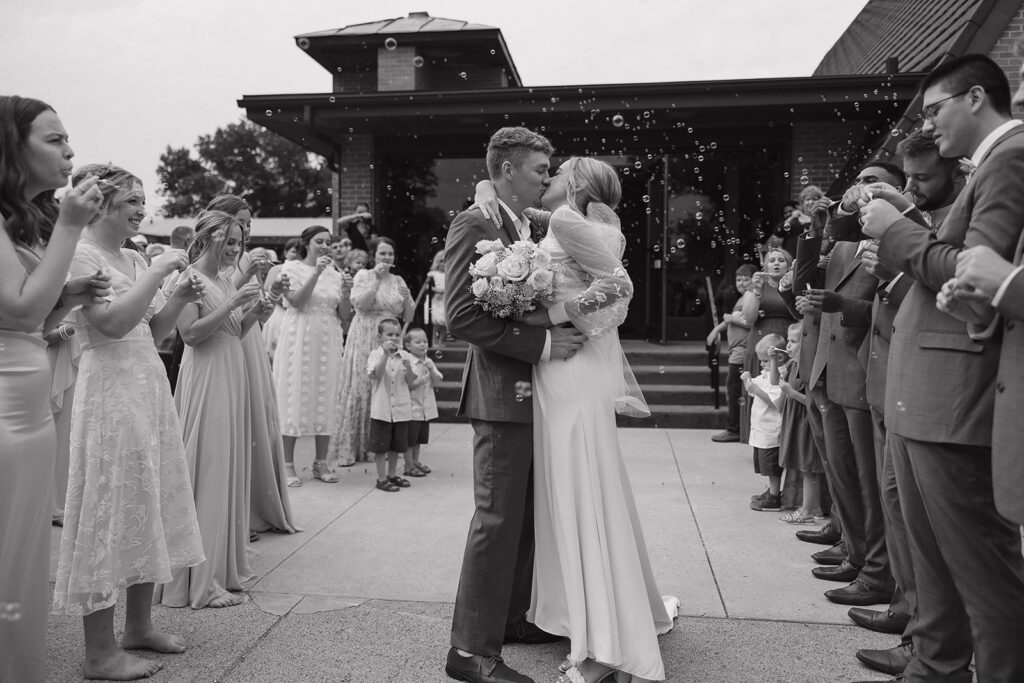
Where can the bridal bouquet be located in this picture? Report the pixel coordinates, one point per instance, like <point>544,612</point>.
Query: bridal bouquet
<point>510,281</point>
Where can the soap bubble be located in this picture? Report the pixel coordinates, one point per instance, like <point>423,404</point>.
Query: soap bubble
<point>391,44</point>
<point>617,121</point>
<point>417,61</point>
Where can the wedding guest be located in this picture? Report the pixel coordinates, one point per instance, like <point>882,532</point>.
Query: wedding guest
<point>433,308</point>
<point>424,403</point>
<point>270,508</point>
<point>182,236</point>
<point>966,556</point>
<point>35,160</point>
<point>172,348</point>
<point>340,248</point>
<point>63,351</point>
<point>130,520</point>
<point>212,403</point>
<point>766,421</point>
<point>357,260</point>
<point>309,351</point>
<point>376,294</point>
<point>796,221</point>
<point>392,378</point>
<point>272,327</point>
<point>736,329</point>
<point>359,227</point>
<point>797,450</point>
<point>767,314</point>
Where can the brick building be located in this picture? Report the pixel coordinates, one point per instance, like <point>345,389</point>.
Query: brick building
<point>705,165</point>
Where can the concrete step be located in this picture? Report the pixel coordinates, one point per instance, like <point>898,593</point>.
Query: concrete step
<point>656,394</point>
<point>662,416</point>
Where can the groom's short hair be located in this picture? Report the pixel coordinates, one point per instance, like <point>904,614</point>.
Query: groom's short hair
<point>514,144</point>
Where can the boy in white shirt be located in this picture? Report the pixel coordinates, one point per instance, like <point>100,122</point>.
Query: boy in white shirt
<point>424,404</point>
<point>392,375</point>
<point>766,423</point>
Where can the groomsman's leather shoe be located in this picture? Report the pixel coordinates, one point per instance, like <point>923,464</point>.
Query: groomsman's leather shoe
<point>833,555</point>
<point>525,633</point>
<point>892,661</point>
<point>859,593</point>
<point>823,536</point>
<point>844,572</point>
<point>883,621</point>
<point>477,669</point>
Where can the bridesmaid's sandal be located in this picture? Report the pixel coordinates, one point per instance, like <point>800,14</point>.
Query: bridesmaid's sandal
<point>291,477</point>
<point>421,467</point>
<point>386,485</point>
<point>413,472</point>
<point>398,481</point>
<point>322,471</point>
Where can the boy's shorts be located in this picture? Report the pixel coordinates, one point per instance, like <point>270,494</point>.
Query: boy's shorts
<point>766,462</point>
<point>388,437</point>
<point>419,432</point>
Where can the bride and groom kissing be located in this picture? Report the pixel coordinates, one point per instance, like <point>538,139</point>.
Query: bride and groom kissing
<point>555,547</point>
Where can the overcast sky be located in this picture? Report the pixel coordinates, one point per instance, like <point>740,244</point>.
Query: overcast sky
<point>129,77</point>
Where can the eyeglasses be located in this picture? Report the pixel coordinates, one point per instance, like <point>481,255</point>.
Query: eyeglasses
<point>932,110</point>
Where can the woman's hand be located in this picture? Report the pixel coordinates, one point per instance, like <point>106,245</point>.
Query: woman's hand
<point>188,288</point>
<point>170,261</point>
<point>786,281</point>
<point>258,266</point>
<point>486,199</point>
<point>538,217</point>
<point>280,285</point>
<point>757,281</point>
<point>81,204</point>
<point>536,318</point>
<point>322,263</point>
<point>246,294</point>
<point>87,290</point>
<point>381,269</point>
<point>346,284</point>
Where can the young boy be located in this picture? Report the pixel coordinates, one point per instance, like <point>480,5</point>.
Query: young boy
<point>392,376</point>
<point>736,330</point>
<point>766,421</point>
<point>424,405</point>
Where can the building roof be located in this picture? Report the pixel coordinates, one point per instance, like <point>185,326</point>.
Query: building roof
<point>919,33</point>
<point>416,22</point>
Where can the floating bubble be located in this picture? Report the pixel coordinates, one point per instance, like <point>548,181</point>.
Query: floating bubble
<point>492,52</point>
<point>520,398</point>
<point>638,165</point>
<point>646,198</point>
<point>332,99</point>
<point>463,75</point>
<point>617,120</point>
<point>680,243</point>
<point>656,248</point>
<point>390,44</point>
<point>515,330</point>
<point>689,130</point>
<point>417,61</point>
<point>804,180</point>
<point>269,113</point>
<point>713,145</point>
<point>661,370</point>
<point>725,197</point>
<point>438,355</point>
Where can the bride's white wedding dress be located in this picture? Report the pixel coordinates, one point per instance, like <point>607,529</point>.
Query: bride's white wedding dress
<point>592,579</point>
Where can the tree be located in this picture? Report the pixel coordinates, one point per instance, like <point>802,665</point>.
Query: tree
<point>274,175</point>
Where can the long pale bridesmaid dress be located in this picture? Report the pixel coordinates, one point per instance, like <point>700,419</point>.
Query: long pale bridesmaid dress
<point>212,401</point>
<point>28,442</point>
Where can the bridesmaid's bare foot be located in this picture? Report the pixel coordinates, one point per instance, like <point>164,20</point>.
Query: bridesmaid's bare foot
<point>154,640</point>
<point>119,666</point>
<point>226,600</point>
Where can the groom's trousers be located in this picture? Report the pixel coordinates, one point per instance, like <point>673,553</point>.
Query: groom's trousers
<point>497,568</point>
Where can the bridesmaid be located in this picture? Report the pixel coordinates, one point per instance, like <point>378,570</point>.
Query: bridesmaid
<point>212,401</point>
<point>308,358</point>
<point>35,160</point>
<point>377,293</point>
<point>269,507</point>
<point>129,519</point>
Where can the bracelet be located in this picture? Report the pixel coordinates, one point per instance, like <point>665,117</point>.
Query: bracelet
<point>65,331</point>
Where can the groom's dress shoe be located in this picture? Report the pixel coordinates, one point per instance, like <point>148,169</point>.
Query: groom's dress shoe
<point>833,555</point>
<point>859,593</point>
<point>883,621</point>
<point>892,661</point>
<point>844,572</point>
<point>823,536</point>
<point>477,669</point>
<point>525,633</point>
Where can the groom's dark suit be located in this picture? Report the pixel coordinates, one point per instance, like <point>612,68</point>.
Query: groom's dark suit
<point>497,569</point>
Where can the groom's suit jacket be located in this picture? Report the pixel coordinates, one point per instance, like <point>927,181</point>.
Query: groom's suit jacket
<point>501,352</point>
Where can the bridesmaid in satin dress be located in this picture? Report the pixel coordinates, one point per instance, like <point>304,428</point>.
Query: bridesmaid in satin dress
<point>212,401</point>
<point>270,509</point>
<point>35,160</point>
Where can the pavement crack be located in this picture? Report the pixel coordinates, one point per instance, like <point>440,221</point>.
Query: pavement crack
<point>700,533</point>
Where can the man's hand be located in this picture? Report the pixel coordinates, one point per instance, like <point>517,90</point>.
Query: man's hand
<point>877,217</point>
<point>804,307</point>
<point>964,303</point>
<point>565,342</point>
<point>853,199</point>
<point>980,269</point>
<point>825,300</point>
<point>890,194</point>
<point>819,215</point>
<point>871,263</point>
<point>786,281</point>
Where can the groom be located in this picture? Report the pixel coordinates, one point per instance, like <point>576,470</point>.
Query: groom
<point>497,569</point>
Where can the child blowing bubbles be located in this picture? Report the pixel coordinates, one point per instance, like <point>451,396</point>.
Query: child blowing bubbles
<point>424,405</point>
<point>392,376</point>
<point>796,445</point>
<point>766,421</point>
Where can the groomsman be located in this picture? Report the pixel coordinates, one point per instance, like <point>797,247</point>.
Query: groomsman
<point>941,389</point>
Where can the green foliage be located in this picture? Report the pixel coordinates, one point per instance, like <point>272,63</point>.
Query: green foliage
<point>275,176</point>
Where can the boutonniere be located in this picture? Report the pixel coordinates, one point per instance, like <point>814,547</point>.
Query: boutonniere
<point>967,167</point>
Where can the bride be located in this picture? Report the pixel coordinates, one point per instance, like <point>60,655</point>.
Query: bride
<point>593,581</point>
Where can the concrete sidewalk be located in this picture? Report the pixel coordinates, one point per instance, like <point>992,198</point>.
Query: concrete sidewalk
<point>365,592</point>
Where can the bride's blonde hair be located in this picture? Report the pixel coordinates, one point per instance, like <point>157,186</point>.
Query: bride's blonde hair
<point>591,180</point>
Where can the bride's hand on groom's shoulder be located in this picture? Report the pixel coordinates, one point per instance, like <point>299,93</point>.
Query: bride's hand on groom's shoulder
<point>486,199</point>
<point>536,318</point>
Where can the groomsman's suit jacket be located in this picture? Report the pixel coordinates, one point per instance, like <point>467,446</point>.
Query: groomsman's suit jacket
<point>1008,424</point>
<point>501,353</point>
<point>942,383</point>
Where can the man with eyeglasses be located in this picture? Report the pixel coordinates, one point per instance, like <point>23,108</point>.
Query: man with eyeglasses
<point>941,390</point>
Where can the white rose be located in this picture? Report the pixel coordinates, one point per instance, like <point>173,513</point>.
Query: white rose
<point>480,287</point>
<point>486,265</point>
<point>514,268</point>
<point>541,280</point>
<point>541,259</point>
<point>483,246</point>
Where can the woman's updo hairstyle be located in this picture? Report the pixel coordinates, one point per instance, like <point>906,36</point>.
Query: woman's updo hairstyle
<point>307,236</point>
<point>211,233</point>
<point>115,184</point>
<point>591,180</point>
